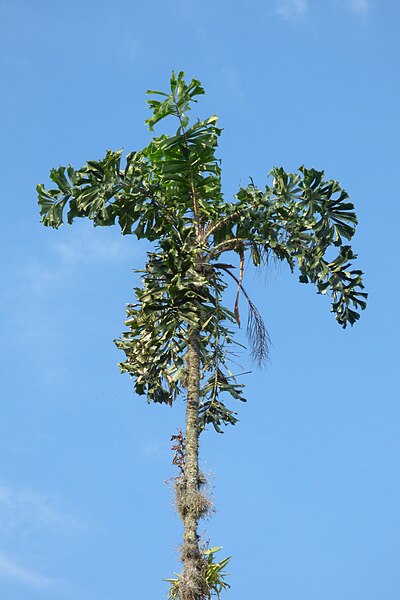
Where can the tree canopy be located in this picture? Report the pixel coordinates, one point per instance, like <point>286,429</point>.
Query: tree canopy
<point>170,193</point>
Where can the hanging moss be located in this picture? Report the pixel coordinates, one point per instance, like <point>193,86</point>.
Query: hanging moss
<point>198,504</point>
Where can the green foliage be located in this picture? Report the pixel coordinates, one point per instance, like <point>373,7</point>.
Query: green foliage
<point>170,193</point>
<point>177,103</point>
<point>298,219</point>
<point>179,294</point>
<point>215,576</point>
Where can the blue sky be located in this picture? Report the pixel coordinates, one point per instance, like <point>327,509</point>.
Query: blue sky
<point>306,486</point>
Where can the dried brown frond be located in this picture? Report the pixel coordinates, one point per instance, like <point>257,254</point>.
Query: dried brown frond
<point>258,335</point>
<point>179,449</point>
<point>256,331</point>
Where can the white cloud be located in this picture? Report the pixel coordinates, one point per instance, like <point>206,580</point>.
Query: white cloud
<point>90,246</point>
<point>84,246</point>
<point>27,509</point>
<point>231,77</point>
<point>151,449</point>
<point>39,278</point>
<point>9,569</point>
<point>24,514</point>
<point>290,10</point>
<point>358,6</point>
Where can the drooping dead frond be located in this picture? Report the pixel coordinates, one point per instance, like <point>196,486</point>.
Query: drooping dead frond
<point>241,275</point>
<point>258,335</point>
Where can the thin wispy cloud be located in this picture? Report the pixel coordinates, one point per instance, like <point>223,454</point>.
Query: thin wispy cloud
<point>87,246</point>
<point>12,570</point>
<point>90,246</point>
<point>294,10</point>
<point>25,515</point>
<point>290,10</point>
<point>27,509</point>
<point>360,7</point>
<point>151,449</point>
<point>231,77</point>
<point>35,284</point>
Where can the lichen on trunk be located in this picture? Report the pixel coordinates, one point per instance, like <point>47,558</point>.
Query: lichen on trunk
<point>192,504</point>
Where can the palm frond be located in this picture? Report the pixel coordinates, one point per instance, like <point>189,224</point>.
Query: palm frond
<point>258,335</point>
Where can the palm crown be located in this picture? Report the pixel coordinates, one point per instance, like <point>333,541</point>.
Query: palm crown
<point>170,193</point>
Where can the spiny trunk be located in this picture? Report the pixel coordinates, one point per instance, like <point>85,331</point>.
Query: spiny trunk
<point>192,584</point>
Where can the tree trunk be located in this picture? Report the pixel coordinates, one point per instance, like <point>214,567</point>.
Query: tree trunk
<point>192,584</point>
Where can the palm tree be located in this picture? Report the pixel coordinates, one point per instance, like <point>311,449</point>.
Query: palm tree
<point>179,334</point>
